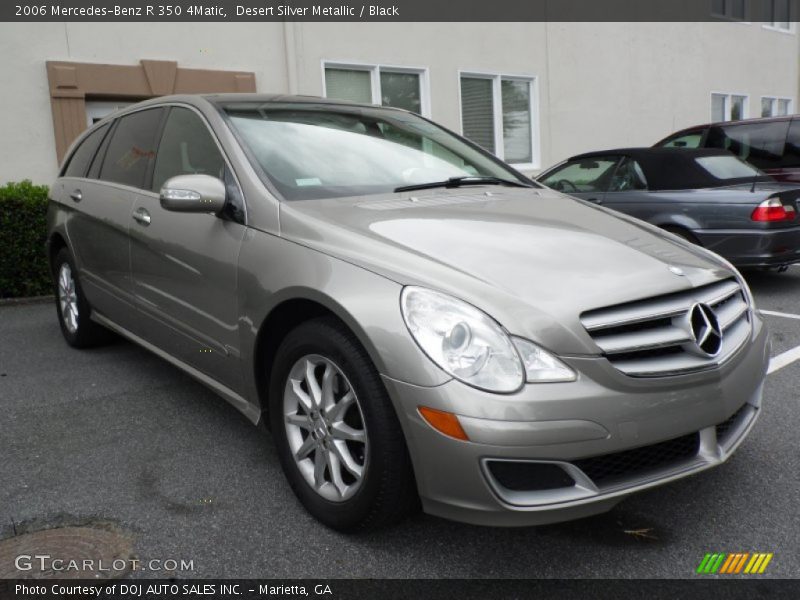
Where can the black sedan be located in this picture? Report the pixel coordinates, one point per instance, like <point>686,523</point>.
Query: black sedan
<point>709,197</point>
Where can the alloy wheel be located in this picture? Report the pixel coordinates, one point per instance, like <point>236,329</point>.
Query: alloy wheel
<point>68,298</point>
<point>325,428</point>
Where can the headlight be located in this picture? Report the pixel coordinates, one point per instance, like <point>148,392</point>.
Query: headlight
<point>469,345</point>
<point>462,340</point>
<point>540,365</point>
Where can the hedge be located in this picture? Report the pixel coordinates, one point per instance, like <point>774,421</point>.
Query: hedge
<point>23,262</point>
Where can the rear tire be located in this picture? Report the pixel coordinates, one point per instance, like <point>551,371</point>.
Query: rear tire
<point>72,307</point>
<point>326,400</point>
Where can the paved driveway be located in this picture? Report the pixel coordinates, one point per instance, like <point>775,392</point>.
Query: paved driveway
<point>118,436</point>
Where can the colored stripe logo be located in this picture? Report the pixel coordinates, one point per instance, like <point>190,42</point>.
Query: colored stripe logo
<point>723,563</point>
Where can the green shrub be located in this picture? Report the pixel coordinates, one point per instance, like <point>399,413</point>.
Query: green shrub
<point>23,230</point>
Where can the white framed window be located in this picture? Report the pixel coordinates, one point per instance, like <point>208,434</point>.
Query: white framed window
<point>385,85</point>
<point>97,110</point>
<point>729,107</point>
<point>733,10</point>
<point>778,16</point>
<point>772,106</point>
<point>500,113</point>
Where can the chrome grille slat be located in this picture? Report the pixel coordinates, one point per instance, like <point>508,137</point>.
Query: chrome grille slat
<point>732,290</point>
<point>658,308</point>
<point>683,362</point>
<point>653,337</point>
<point>652,312</point>
<point>730,313</point>
<point>642,340</point>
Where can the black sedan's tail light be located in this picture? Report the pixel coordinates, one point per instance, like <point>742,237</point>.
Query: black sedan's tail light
<point>773,210</point>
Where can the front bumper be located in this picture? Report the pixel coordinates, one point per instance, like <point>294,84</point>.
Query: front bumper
<point>753,248</point>
<point>603,414</point>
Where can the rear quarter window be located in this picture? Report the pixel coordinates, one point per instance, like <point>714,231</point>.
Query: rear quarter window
<point>760,144</point>
<point>791,153</point>
<point>79,161</point>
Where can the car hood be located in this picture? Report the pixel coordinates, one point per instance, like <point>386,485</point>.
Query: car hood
<point>534,259</point>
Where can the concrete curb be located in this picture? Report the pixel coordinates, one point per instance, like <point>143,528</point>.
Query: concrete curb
<point>28,300</point>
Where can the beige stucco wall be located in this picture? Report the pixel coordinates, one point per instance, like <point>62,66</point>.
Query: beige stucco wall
<point>620,85</point>
<point>26,126</point>
<point>600,84</point>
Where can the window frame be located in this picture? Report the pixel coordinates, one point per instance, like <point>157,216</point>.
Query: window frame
<point>102,109</point>
<point>166,108</point>
<point>497,77</point>
<point>773,25</point>
<point>775,100</point>
<point>374,70</point>
<point>729,105</point>
<point>745,20</point>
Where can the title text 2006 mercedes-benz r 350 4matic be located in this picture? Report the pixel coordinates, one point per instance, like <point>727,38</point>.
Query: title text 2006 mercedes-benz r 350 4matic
<point>413,319</point>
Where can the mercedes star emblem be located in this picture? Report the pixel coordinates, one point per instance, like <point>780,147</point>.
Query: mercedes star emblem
<point>705,330</point>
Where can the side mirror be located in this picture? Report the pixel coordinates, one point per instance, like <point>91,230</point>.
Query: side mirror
<point>193,194</point>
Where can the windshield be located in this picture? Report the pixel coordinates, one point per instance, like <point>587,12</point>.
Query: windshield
<point>325,151</point>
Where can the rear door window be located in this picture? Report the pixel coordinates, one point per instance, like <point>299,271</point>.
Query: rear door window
<point>132,148</point>
<point>80,159</point>
<point>760,144</point>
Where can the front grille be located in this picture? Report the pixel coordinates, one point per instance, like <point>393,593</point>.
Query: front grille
<point>725,428</point>
<point>529,476</point>
<point>653,337</point>
<point>605,470</point>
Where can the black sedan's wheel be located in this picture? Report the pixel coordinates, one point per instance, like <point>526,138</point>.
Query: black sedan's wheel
<point>338,438</point>
<point>72,307</point>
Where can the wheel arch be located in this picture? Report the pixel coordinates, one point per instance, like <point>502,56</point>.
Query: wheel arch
<point>296,307</point>
<point>681,231</point>
<point>55,242</point>
<point>680,221</point>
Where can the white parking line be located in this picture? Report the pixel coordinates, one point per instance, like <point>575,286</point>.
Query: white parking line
<point>774,313</point>
<point>783,359</point>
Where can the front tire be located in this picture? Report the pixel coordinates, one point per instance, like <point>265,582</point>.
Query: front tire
<point>72,307</point>
<point>338,438</point>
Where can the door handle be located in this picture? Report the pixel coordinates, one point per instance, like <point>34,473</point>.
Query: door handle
<point>77,196</point>
<point>142,217</point>
<point>594,200</point>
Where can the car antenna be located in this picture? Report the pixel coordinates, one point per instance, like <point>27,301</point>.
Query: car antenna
<point>756,169</point>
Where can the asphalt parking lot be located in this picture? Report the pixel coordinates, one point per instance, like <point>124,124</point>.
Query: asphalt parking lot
<point>117,436</point>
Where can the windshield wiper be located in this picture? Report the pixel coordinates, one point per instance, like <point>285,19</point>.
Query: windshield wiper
<point>459,181</point>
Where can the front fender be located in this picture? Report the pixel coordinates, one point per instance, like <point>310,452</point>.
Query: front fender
<point>273,270</point>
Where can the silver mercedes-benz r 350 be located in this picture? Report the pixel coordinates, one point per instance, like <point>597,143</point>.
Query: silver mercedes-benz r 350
<point>416,322</point>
